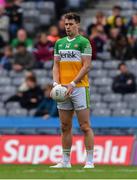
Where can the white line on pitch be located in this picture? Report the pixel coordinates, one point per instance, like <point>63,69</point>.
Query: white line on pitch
<point>79,170</point>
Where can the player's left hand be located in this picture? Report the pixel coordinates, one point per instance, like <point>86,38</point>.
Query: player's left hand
<point>70,89</point>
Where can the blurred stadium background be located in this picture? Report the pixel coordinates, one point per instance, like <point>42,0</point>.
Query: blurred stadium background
<point>28,32</point>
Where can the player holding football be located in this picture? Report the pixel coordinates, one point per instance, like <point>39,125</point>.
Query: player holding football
<point>72,62</point>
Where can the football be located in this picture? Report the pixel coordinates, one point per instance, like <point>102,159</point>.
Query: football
<point>58,93</point>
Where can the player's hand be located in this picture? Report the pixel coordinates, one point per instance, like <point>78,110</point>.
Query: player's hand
<point>70,89</point>
<point>54,84</point>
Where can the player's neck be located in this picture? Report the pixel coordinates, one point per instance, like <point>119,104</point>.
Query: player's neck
<point>73,36</point>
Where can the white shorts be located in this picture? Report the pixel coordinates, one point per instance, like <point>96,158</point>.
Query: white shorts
<point>78,100</point>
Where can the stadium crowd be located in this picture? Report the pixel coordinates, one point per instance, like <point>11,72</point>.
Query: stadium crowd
<point>20,51</point>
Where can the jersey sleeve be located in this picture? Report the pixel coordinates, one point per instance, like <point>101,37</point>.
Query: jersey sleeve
<point>56,50</point>
<point>86,49</point>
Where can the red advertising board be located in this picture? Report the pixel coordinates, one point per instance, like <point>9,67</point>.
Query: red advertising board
<point>47,150</point>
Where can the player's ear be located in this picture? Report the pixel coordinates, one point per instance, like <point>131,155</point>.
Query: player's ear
<point>78,24</point>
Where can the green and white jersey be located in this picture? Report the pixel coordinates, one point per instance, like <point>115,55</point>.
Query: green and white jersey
<point>70,52</point>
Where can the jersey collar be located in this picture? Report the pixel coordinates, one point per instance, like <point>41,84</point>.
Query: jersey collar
<point>72,39</point>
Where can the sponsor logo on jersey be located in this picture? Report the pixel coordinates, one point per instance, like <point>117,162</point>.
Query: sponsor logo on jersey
<point>68,45</point>
<point>68,54</point>
<point>71,55</point>
<point>76,46</point>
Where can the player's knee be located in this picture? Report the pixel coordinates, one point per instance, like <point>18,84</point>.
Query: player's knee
<point>85,128</point>
<point>65,127</point>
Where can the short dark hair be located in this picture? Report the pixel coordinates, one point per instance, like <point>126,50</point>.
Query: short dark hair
<point>72,15</point>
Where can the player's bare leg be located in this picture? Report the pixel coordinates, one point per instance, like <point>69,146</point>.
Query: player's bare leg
<point>84,122</point>
<point>66,128</point>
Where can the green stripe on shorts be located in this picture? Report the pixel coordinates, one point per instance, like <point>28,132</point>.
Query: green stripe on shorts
<point>87,97</point>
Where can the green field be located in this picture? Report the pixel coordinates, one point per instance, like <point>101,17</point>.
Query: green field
<point>77,172</point>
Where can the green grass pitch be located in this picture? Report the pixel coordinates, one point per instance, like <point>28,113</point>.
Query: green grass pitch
<point>76,172</point>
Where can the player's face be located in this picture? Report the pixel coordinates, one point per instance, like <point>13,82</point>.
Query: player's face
<point>71,27</point>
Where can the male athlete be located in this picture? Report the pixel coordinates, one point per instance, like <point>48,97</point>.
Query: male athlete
<point>72,62</point>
